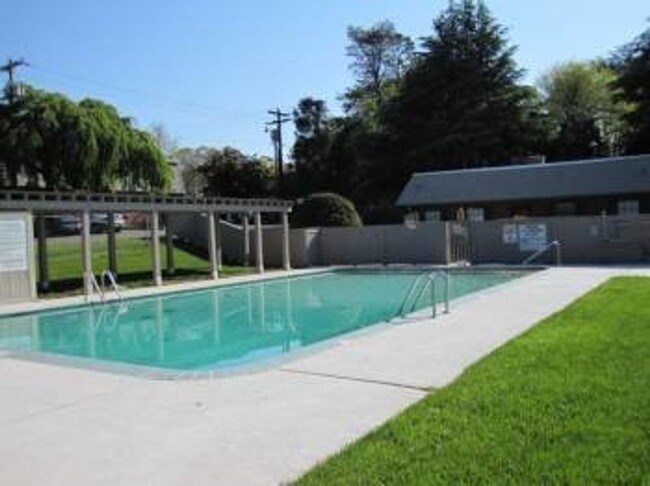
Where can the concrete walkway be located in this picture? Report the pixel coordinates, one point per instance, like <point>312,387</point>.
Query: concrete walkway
<point>68,426</point>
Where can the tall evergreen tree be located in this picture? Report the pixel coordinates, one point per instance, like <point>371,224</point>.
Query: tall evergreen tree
<point>633,65</point>
<point>460,105</point>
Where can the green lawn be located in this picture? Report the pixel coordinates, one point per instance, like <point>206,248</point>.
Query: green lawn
<point>567,403</point>
<point>134,263</point>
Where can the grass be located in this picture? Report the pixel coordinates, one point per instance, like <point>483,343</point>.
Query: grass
<point>134,264</point>
<point>567,403</point>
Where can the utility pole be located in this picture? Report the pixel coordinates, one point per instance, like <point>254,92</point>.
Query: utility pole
<point>280,119</point>
<point>9,68</point>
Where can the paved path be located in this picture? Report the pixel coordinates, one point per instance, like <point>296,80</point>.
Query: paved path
<point>68,426</point>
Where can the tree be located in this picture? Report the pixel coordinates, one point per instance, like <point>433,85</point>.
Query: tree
<point>325,209</point>
<point>229,172</point>
<point>59,144</point>
<point>380,56</point>
<point>632,63</point>
<point>311,146</point>
<point>585,113</point>
<point>324,151</point>
<point>460,105</point>
<point>190,162</point>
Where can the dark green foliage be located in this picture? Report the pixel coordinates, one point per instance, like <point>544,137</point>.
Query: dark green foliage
<point>380,56</point>
<point>567,403</point>
<point>460,105</point>
<point>325,152</point>
<point>325,209</point>
<point>585,117</point>
<point>229,172</point>
<point>66,145</point>
<point>633,65</point>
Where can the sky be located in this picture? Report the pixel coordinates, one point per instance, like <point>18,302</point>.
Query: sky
<point>209,70</point>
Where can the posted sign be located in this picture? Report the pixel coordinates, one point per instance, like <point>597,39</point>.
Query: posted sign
<point>14,245</point>
<point>532,236</point>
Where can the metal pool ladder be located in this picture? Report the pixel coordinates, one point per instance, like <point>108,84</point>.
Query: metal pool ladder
<point>418,289</point>
<point>108,275</point>
<point>94,287</point>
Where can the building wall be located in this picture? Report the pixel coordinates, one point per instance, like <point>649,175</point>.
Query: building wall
<point>17,284</point>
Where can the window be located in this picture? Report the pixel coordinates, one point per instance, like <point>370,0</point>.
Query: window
<point>565,209</point>
<point>475,214</point>
<point>432,216</point>
<point>629,207</point>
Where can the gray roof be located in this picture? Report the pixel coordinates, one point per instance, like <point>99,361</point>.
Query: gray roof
<point>597,177</point>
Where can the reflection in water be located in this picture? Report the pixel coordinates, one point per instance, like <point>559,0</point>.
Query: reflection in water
<point>227,326</point>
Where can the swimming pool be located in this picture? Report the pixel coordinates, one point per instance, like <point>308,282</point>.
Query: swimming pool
<point>229,326</point>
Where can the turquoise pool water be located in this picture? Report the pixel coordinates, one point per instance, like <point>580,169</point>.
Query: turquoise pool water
<point>228,326</point>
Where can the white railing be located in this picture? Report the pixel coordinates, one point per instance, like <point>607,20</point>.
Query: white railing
<point>108,275</point>
<point>408,306</point>
<point>93,288</point>
<point>553,244</point>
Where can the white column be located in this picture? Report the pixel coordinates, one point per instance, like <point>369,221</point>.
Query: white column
<point>43,271</point>
<point>259,245</point>
<point>217,239</point>
<point>247,240</point>
<point>286,258</point>
<point>155,248</point>
<point>169,244</point>
<point>86,251</point>
<point>112,249</point>
<point>212,246</point>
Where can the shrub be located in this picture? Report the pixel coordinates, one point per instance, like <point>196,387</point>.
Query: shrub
<point>325,209</point>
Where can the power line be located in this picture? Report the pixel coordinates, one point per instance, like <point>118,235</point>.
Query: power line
<point>147,94</point>
<point>280,119</point>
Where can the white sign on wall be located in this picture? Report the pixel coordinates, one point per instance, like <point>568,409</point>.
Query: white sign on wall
<point>532,236</point>
<point>509,233</point>
<point>14,245</point>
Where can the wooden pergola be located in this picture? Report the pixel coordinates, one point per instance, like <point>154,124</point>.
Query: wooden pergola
<point>42,203</point>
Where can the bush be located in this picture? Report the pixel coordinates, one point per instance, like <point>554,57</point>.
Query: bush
<point>325,209</point>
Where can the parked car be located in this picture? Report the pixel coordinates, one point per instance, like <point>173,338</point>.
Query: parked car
<point>62,224</point>
<point>99,222</point>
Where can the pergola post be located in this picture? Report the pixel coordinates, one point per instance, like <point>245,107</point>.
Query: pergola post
<point>43,270</point>
<point>155,248</point>
<point>286,257</point>
<point>86,251</point>
<point>259,245</point>
<point>169,244</point>
<point>247,240</point>
<point>217,238</point>
<point>112,247</point>
<point>212,246</point>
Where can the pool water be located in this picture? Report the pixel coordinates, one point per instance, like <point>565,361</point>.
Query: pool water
<point>228,326</point>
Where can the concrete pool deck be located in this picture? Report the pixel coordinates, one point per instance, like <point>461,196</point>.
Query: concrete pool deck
<point>61,425</point>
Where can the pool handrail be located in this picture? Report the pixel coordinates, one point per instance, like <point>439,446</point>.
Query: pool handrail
<point>431,282</point>
<point>93,287</point>
<point>108,275</point>
<point>553,244</point>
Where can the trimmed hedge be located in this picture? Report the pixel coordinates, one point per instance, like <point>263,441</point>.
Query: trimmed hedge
<point>325,209</point>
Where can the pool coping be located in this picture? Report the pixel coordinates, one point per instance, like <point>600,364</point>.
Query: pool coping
<point>275,362</point>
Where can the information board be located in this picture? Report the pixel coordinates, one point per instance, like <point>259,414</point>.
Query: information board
<point>14,246</point>
<point>532,236</point>
<point>509,233</point>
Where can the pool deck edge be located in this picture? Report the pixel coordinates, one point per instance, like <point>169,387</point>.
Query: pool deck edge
<point>61,425</point>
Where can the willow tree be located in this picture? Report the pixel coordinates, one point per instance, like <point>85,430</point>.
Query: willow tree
<point>59,144</point>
